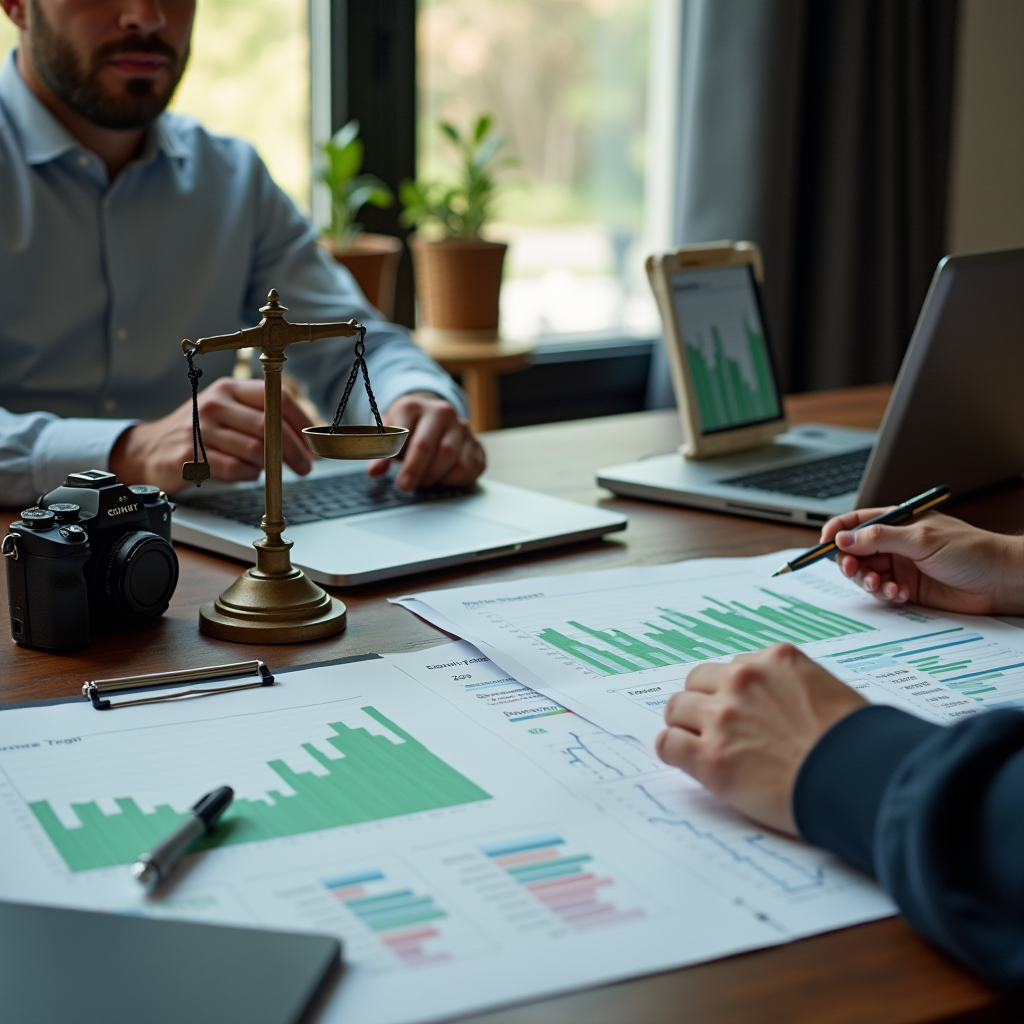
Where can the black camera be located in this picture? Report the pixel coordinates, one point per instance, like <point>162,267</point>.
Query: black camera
<point>92,552</point>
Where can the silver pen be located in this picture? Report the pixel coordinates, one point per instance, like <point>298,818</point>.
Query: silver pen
<point>154,867</point>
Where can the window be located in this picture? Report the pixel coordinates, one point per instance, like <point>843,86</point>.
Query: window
<point>8,34</point>
<point>566,81</point>
<point>248,76</point>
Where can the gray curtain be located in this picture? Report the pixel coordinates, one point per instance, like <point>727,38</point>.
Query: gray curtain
<point>820,129</point>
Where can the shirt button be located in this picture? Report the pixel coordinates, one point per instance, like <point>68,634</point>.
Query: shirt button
<point>109,405</point>
<point>122,334</point>
<point>83,161</point>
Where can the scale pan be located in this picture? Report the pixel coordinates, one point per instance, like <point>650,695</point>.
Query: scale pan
<point>356,442</point>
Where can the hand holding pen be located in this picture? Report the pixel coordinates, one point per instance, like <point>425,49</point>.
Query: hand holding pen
<point>935,561</point>
<point>897,516</point>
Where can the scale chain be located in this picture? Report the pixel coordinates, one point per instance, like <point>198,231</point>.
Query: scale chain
<point>194,470</point>
<point>359,364</point>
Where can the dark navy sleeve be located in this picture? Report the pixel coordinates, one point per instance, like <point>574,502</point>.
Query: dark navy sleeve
<point>937,815</point>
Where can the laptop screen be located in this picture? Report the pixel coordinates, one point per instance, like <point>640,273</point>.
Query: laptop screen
<point>727,355</point>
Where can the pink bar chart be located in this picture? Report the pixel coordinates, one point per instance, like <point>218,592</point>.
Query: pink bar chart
<point>566,883</point>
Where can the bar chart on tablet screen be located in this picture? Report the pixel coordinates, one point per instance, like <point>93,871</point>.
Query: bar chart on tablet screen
<point>725,347</point>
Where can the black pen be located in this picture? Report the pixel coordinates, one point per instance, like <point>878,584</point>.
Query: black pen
<point>154,867</point>
<point>894,517</point>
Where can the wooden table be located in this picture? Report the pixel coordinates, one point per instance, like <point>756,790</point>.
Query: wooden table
<point>878,973</point>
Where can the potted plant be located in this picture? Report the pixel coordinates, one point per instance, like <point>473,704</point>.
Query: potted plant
<point>372,259</point>
<point>458,273</point>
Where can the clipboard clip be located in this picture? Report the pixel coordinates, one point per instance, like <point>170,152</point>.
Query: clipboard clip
<point>160,680</point>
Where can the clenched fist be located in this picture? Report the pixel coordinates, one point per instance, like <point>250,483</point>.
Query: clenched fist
<point>743,729</point>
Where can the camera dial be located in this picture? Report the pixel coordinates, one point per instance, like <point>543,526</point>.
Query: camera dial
<point>153,497</point>
<point>38,518</point>
<point>65,511</point>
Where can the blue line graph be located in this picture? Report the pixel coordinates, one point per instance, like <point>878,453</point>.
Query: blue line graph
<point>750,850</point>
<point>579,751</point>
<point>602,756</point>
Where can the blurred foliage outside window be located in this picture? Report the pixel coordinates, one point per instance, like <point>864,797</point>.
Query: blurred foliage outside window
<point>248,76</point>
<point>566,81</point>
<point>8,34</point>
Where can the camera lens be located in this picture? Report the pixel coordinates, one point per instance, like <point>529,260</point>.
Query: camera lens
<point>141,573</point>
<point>38,518</point>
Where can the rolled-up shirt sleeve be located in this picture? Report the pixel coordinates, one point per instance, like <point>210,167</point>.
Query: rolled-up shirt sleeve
<point>39,449</point>
<point>937,815</point>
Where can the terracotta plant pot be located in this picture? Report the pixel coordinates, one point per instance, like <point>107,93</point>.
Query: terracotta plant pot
<point>373,261</point>
<point>458,282</point>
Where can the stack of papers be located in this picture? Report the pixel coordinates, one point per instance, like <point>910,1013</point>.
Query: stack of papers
<point>484,823</point>
<point>471,842</point>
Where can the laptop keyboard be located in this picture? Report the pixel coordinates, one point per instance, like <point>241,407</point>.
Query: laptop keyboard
<point>306,501</point>
<point>822,478</point>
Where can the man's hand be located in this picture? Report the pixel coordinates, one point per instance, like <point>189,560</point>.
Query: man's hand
<point>231,415</point>
<point>743,729</point>
<point>441,448</point>
<point>934,560</point>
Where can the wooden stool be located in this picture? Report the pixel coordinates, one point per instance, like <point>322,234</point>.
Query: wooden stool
<point>479,364</point>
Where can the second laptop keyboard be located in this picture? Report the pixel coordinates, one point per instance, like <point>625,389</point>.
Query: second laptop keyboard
<point>333,497</point>
<point>822,478</point>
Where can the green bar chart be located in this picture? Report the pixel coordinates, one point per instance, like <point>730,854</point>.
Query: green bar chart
<point>369,777</point>
<point>725,347</point>
<point>732,387</point>
<point>716,629</point>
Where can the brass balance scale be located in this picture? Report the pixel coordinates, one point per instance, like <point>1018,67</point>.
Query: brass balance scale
<point>273,602</point>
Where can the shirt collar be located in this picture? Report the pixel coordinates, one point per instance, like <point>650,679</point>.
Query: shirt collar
<point>167,140</point>
<point>44,138</point>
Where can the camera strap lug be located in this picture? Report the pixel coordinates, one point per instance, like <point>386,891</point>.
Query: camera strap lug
<point>9,548</point>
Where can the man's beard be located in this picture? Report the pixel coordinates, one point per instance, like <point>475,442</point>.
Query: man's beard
<point>58,66</point>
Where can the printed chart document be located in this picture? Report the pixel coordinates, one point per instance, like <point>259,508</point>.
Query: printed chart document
<point>615,645</point>
<point>798,889</point>
<point>466,857</point>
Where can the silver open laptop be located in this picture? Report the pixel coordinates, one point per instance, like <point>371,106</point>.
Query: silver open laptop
<point>348,529</point>
<point>956,415</point>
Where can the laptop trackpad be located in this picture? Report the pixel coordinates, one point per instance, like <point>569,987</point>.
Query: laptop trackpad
<point>440,530</point>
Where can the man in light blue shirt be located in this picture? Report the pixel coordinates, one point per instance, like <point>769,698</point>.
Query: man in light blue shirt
<point>124,229</point>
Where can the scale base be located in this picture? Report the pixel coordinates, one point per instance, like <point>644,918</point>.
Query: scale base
<point>262,608</point>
